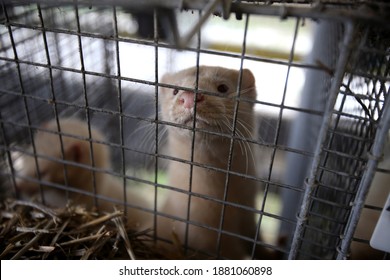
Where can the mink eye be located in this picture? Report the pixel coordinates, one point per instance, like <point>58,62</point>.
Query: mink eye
<point>175,91</point>
<point>222,88</point>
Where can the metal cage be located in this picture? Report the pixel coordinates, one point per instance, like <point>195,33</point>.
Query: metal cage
<point>57,60</point>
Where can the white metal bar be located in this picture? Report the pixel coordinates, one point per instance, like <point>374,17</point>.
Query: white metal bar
<point>311,183</point>
<point>364,186</point>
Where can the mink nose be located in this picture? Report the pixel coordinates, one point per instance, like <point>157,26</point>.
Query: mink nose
<point>187,99</point>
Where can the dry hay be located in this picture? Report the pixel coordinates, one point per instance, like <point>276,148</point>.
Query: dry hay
<point>33,231</point>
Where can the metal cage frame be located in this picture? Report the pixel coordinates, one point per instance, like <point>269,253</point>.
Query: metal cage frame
<point>363,32</point>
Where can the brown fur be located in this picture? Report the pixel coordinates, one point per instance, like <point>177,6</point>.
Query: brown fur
<point>215,114</point>
<point>77,154</point>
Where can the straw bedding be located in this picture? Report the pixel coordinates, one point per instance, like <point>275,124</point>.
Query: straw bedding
<point>33,231</point>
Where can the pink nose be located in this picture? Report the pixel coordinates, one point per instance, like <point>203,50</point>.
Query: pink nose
<point>187,99</point>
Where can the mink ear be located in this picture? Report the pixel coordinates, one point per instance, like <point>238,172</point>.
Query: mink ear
<point>248,80</point>
<point>74,152</point>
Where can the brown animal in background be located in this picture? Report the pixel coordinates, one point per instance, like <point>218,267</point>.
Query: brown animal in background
<point>78,171</point>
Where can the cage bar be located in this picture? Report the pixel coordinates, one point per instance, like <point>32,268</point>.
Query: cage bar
<point>316,157</point>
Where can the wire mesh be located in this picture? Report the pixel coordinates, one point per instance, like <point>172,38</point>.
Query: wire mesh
<point>58,61</point>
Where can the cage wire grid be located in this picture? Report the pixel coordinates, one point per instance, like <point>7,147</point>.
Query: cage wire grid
<point>338,160</point>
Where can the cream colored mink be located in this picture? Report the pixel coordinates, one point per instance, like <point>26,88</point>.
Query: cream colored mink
<point>77,154</point>
<point>214,113</point>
